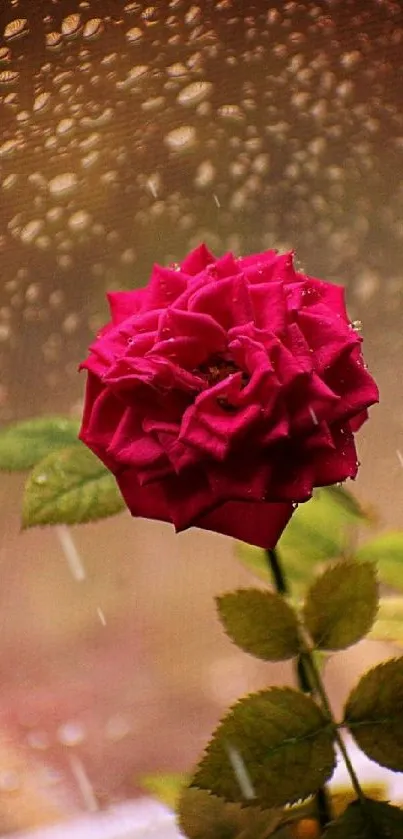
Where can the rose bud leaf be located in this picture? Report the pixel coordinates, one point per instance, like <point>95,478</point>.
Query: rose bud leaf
<point>386,551</point>
<point>205,816</point>
<point>260,623</point>
<point>26,443</point>
<point>374,714</point>
<point>389,621</point>
<point>166,787</point>
<point>341,605</point>
<point>258,749</point>
<point>317,532</point>
<point>70,486</point>
<point>366,820</point>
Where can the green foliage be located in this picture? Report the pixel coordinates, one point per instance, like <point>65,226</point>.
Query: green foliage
<point>319,530</point>
<point>387,551</point>
<point>204,816</point>
<point>389,623</point>
<point>166,787</point>
<point>276,745</point>
<point>368,820</point>
<point>24,444</point>
<point>341,605</point>
<point>374,714</point>
<point>261,623</point>
<point>70,486</point>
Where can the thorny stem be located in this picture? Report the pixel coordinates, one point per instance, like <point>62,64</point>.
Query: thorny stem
<point>310,681</point>
<point>323,807</point>
<point>319,688</point>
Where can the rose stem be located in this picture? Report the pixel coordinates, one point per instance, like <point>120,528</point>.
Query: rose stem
<point>323,807</point>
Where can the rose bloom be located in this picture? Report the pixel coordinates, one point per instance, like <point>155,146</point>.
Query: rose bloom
<point>224,391</point>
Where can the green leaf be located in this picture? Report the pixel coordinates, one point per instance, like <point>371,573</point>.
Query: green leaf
<point>319,530</point>
<point>374,714</point>
<point>389,623</point>
<point>70,486</point>
<point>166,787</point>
<point>345,499</point>
<point>387,551</point>
<point>275,746</point>
<point>24,444</point>
<point>261,623</point>
<point>368,820</point>
<point>204,816</point>
<point>341,605</point>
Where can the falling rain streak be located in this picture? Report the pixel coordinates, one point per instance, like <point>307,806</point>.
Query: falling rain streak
<point>70,551</point>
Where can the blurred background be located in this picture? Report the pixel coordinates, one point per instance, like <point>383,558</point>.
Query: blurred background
<point>128,134</point>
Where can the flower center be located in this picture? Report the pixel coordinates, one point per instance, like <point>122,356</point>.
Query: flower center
<point>215,370</point>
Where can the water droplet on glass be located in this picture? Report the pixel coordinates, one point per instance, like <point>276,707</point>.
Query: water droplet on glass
<point>71,26</point>
<point>8,77</point>
<point>194,93</point>
<point>181,139</point>
<point>41,479</point>
<point>63,185</point>
<point>71,733</point>
<point>16,29</point>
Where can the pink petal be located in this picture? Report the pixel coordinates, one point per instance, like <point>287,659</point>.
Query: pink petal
<point>327,336</point>
<point>332,467</point>
<point>201,327</point>
<point>164,287</point>
<point>259,524</point>
<point>197,260</point>
<point>146,501</point>
<point>227,301</point>
<point>123,304</point>
<point>269,306</point>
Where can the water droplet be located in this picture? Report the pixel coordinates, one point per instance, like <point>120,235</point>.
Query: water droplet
<point>41,102</point>
<point>9,781</point>
<point>63,185</point>
<point>79,220</point>
<point>71,26</point>
<point>8,148</point>
<point>16,29</point>
<point>181,139</point>
<point>38,740</point>
<point>134,35</point>
<point>71,733</point>
<point>31,230</point>
<point>93,28</point>
<point>8,77</point>
<point>231,113</point>
<point>53,40</point>
<point>194,93</point>
<point>5,54</point>
<point>117,728</point>
<point>65,126</point>
<point>41,479</point>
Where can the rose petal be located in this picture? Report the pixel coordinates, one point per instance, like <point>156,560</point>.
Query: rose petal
<point>257,524</point>
<point>228,301</point>
<point>123,304</point>
<point>164,287</point>
<point>197,260</point>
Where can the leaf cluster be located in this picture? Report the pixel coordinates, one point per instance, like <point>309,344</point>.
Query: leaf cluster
<point>278,747</point>
<point>66,483</point>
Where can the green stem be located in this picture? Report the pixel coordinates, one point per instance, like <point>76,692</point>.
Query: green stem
<point>310,681</point>
<point>323,807</point>
<point>317,683</point>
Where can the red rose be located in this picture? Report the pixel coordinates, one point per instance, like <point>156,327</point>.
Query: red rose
<point>224,391</point>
